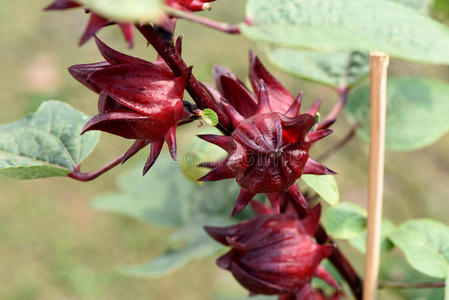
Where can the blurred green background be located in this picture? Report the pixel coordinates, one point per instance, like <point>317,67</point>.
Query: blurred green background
<point>53,246</point>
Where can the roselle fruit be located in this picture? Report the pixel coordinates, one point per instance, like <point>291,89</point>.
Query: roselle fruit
<point>138,100</point>
<point>269,146</point>
<point>274,254</point>
<point>96,22</point>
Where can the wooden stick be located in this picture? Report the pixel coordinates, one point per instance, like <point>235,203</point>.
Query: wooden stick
<point>378,78</point>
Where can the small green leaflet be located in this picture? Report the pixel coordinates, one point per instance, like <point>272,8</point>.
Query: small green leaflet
<point>417,111</point>
<point>340,69</point>
<point>425,244</point>
<point>209,116</point>
<point>347,25</point>
<point>46,143</point>
<point>127,10</point>
<point>348,221</point>
<point>325,186</point>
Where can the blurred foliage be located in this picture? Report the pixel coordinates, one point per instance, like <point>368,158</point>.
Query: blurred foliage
<point>53,247</point>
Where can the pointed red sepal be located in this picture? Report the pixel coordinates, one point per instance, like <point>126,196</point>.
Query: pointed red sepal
<point>225,261</point>
<point>294,192</point>
<point>310,223</point>
<point>260,208</point>
<point>263,105</point>
<point>125,123</point>
<point>96,22</point>
<point>82,73</point>
<point>306,293</point>
<point>295,108</point>
<point>325,124</point>
<point>275,199</point>
<point>136,147</point>
<point>141,87</point>
<point>114,57</point>
<point>280,97</point>
<point>170,138</point>
<point>233,114</point>
<point>128,32</point>
<point>107,104</point>
<point>315,168</point>
<point>178,45</point>
<point>315,107</point>
<point>244,198</point>
<point>238,96</point>
<point>323,274</point>
<point>224,142</point>
<point>218,173</point>
<point>318,135</point>
<point>156,148</point>
<point>62,4</point>
<point>295,129</point>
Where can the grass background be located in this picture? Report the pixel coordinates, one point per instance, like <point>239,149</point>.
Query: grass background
<point>53,246</point>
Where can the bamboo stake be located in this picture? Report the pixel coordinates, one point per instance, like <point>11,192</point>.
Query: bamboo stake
<point>378,78</point>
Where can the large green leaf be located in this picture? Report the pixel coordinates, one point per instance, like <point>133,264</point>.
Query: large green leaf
<point>420,5</point>
<point>425,244</point>
<point>325,186</point>
<point>417,111</point>
<point>164,197</point>
<point>126,10</point>
<point>197,246</point>
<point>333,69</point>
<point>350,25</point>
<point>46,143</point>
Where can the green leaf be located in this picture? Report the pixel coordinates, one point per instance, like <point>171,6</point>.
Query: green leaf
<point>127,10</point>
<point>346,25</point>
<point>166,198</point>
<point>332,69</point>
<point>160,198</point>
<point>359,242</point>
<point>325,186</point>
<point>446,290</point>
<point>45,144</point>
<point>420,5</point>
<point>417,111</point>
<point>199,151</point>
<point>197,247</point>
<point>209,116</point>
<point>348,221</point>
<point>345,221</point>
<point>425,243</point>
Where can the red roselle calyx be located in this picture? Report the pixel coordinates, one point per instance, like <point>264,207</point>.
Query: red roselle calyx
<point>275,255</point>
<point>269,146</point>
<point>138,100</point>
<point>189,5</point>
<point>96,22</point>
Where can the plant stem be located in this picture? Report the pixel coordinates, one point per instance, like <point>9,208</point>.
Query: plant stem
<point>223,27</point>
<point>338,107</point>
<point>346,139</point>
<point>80,176</point>
<point>172,58</point>
<point>342,264</point>
<point>411,285</point>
